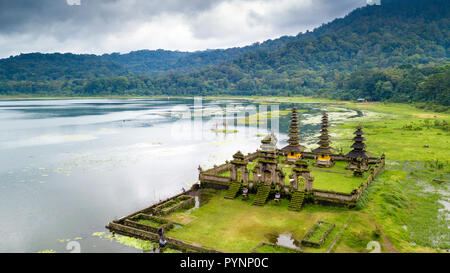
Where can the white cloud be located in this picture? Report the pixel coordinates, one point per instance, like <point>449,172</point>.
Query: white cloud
<point>104,26</point>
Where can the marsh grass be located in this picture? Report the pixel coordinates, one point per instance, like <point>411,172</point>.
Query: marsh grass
<point>404,196</point>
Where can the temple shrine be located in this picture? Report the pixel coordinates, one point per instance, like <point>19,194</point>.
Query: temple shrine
<point>296,174</point>
<point>324,150</point>
<point>294,149</point>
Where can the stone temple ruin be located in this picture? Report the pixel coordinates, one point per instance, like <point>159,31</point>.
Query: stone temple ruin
<point>290,174</point>
<point>272,173</point>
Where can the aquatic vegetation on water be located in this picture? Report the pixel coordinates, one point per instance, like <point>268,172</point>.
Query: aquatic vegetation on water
<point>47,251</point>
<point>128,241</point>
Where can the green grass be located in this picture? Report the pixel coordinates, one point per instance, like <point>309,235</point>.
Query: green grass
<point>287,172</point>
<point>270,248</point>
<point>388,134</point>
<point>170,250</point>
<point>337,182</point>
<point>225,174</point>
<point>319,231</point>
<point>405,196</point>
<point>242,226</point>
<point>150,223</point>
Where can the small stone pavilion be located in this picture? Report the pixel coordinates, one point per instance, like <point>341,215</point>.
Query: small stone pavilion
<point>287,172</point>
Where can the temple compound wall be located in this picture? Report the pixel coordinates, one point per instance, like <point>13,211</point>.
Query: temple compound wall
<point>211,178</point>
<point>300,178</point>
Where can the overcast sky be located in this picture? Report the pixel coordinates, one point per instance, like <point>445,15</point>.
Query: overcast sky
<point>105,26</point>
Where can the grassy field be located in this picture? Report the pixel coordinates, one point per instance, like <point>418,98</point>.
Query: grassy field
<point>271,248</point>
<point>404,202</point>
<point>237,226</point>
<point>339,180</point>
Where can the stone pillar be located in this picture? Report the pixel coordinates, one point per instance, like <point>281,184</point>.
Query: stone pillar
<point>233,172</point>
<point>257,174</point>
<point>294,183</point>
<point>309,183</point>
<point>267,177</point>
<point>245,175</point>
<point>273,170</point>
<point>281,177</point>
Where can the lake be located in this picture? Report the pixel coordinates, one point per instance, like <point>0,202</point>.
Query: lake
<point>68,167</point>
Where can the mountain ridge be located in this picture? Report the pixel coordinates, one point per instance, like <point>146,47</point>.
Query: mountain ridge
<point>397,50</point>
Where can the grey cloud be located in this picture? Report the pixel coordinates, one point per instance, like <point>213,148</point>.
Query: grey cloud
<point>17,15</point>
<point>300,18</point>
<point>53,25</point>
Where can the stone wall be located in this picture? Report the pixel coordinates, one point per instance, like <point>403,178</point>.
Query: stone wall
<point>218,169</point>
<point>305,241</point>
<point>211,179</point>
<point>332,195</point>
<point>348,199</point>
<point>146,235</point>
<point>150,210</point>
<point>370,179</point>
<point>183,204</point>
<point>131,223</point>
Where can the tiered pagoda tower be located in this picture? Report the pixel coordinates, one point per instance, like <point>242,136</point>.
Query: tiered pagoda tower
<point>359,147</point>
<point>294,149</point>
<point>358,156</point>
<point>324,150</point>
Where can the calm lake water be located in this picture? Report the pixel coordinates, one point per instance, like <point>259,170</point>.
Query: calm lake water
<point>68,167</point>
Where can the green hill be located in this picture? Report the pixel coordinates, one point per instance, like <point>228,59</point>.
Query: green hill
<point>396,51</point>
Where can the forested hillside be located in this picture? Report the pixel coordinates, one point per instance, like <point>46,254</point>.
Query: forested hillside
<point>162,62</point>
<point>398,51</point>
<point>60,67</point>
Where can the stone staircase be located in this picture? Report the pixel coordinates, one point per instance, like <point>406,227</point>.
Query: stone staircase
<point>296,201</point>
<point>233,190</point>
<point>261,195</point>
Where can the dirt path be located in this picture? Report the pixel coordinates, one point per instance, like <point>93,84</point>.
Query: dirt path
<point>387,244</point>
<point>340,233</point>
<point>389,247</point>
